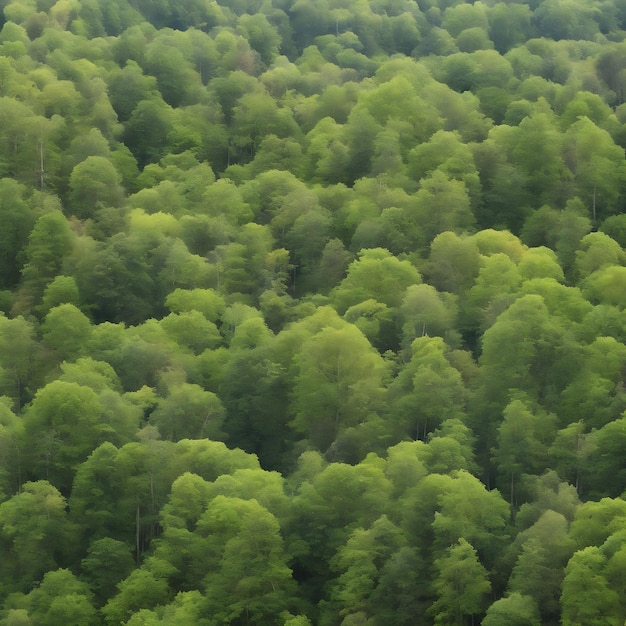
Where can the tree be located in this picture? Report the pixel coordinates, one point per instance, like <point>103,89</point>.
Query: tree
<point>224,198</point>
<point>513,610</point>
<point>615,227</point>
<point>538,572</point>
<point>608,476</point>
<point>359,135</point>
<point>331,504</point>
<point>333,265</point>
<point>249,266</point>
<point>569,452</point>
<point>547,492</point>
<point>596,521</point>
<point>18,358</point>
<point>385,106</point>
<point>189,412</point>
<point>61,597</point>
<point>94,184</point>
<point>10,461</point>
<point>261,35</point>
<point>453,263</point>
<point>18,219</point>
<point>450,448</point>
<point>445,152</point>
<point>307,238</point>
<point>142,589</point>
<point>177,82</point>
<point>497,282</point>
<point>573,227</point>
<point>359,563</point>
<point>62,290</point>
<point>557,20</point>
<point>35,535</point>
<point>491,242</point>
<point>255,116</point>
<point>462,585</point>
<point>339,384</point>
<point>108,561</point>
<point>66,330</point>
<point>443,204</point>
<point>274,153</point>
<point>468,510</point>
<point>405,467</point>
<point>597,165</point>
<point>509,26</point>
<point>586,597</point>
<point>327,156</point>
<point>459,17</point>
<point>186,608</point>
<point>192,330</point>
<point>604,286</point>
<point>25,141</point>
<point>50,241</point>
<point>206,301</point>
<point>374,320</point>
<point>425,311</point>
<point>255,394</point>
<point>427,391</point>
<point>539,141</point>
<point>137,478</point>
<point>249,577</point>
<point>118,278</point>
<point>62,425</point>
<point>540,262</point>
<point>533,364</point>
<point>523,437</point>
<point>376,274</point>
<point>603,403</point>
<point>399,598</point>
<point>146,132</point>
<point>127,87</point>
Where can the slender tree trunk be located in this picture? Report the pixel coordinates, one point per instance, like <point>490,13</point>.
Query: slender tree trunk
<point>19,469</point>
<point>137,546</point>
<point>41,165</point>
<point>512,494</point>
<point>594,205</point>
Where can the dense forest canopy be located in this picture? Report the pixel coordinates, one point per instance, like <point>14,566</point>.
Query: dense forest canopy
<point>312,312</point>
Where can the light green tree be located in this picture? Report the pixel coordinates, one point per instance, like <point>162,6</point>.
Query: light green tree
<point>461,585</point>
<point>189,412</point>
<point>512,610</point>
<point>339,384</point>
<point>586,597</point>
<point>34,534</point>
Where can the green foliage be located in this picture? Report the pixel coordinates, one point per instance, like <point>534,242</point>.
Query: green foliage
<point>35,534</point>
<point>461,585</point>
<point>18,219</point>
<point>62,425</point>
<point>376,274</point>
<point>66,330</point>
<point>107,562</point>
<point>339,384</point>
<point>94,183</point>
<point>586,596</point>
<point>375,247</point>
<point>513,610</point>
<point>538,572</point>
<point>61,597</point>
<point>49,243</point>
<point>189,412</point>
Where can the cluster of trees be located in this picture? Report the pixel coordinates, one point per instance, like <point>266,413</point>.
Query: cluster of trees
<point>312,312</point>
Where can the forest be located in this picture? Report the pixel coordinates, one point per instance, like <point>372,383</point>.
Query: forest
<point>312,312</point>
